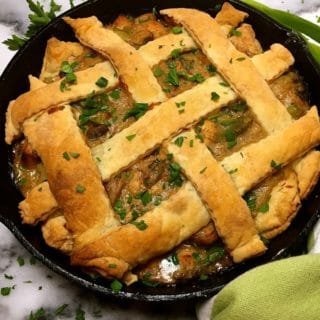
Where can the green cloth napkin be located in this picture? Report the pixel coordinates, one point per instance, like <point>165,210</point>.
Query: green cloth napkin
<point>281,290</point>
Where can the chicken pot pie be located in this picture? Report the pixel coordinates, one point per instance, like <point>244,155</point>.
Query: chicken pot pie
<point>163,147</point>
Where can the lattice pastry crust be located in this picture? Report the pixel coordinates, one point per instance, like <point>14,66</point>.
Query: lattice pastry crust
<point>84,224</point>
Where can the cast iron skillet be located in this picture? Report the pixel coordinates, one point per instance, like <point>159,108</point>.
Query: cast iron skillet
<point>28,61</point>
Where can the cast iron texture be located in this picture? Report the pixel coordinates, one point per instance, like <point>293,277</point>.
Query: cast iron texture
<point>28,61</point>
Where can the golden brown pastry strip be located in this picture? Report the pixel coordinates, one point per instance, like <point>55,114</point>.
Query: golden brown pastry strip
<point>56,234</point>
<point>58,51</point>
<point>157,125</point>
<point>276,149</point>
<point>283,205</point>
<point>229,211</point>
<point>308,171</point>
<point>242,74</point>
<point>72,175</point>
<point>133,70</point>
<point>32,102</point>
<point>271,64</point>
<point>274,62</point>
<point>167,226</point>
<point>38,204</point>
<point>161,48</point>
<point>229,15</point>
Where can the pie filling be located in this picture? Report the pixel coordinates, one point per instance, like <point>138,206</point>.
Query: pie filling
<point>157,176</point>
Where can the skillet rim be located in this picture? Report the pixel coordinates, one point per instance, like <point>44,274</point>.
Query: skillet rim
<point>201,293</point>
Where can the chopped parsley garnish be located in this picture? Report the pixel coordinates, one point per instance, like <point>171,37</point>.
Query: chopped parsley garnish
<point>234,32</point>
<point>112,266</point>
<point>5,291</point>
<point>137,111</point>
<point>264,240</point>
<point>90,55</point>
<point>120,210</point>
<point>203,170</point>
<point>157,72</point>
<point>67,67</point>
<point>217,7</point>
<point>231,144</point>
<point>67,70</point>
<point>141,225</point>
<point>176,30</point>
<point>180,104</point>
<point>8,277</point>
<point>173,77</point>
<point>179,141</point>
<point>20,261</point>
<point>211,69</point>
<point>129,199</point>
<point>74,155</point>
<point>115,94</point>
<point>157,200</point>
<point>233,171</point>
<point>33,260</point>
<point>196,256</point>
<point>175,178</point>
<point>175,53</point>
<point>275,165</point>
<point>66,155</point>
<point>224,84</point>
<point>198,78</point>
<point>230,137</point>
<point>145,197</point>
<point>39,314</point>
<point>131,137</point>
<point>80,314</point>
<point>60,309</point>
<point>241,59</point>
<point>264,207</point>
<point>214,254</point>
<point>21,181</point>
<point>199,136</point>
<point>251,200</point>
<point>214,96</point>
<point>80,188</point>
<point>191,143</point>
<point>116,286</point>
<point>169,156</point>
<point>174,258</point>
<point>203,277</point>
<point>91,107</point>
<point>146,280</point>
<point>239,106</point>
<point>102,82</point>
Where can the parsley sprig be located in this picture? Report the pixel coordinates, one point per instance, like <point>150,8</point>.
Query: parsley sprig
<point>38,19</point>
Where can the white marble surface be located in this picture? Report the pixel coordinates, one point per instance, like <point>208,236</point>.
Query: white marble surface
<point>34,285</point>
